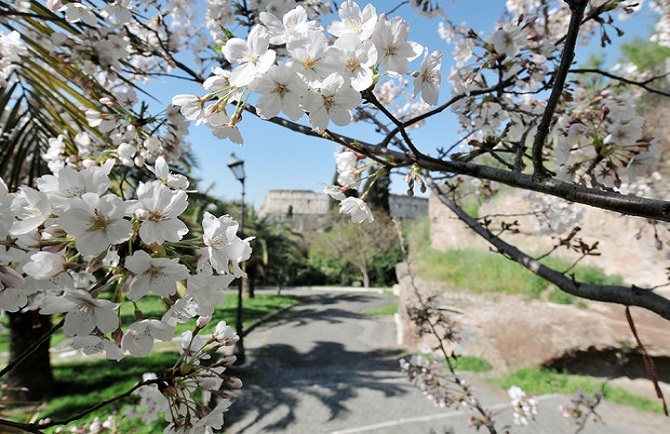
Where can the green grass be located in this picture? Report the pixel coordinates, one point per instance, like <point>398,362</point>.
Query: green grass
<point>80,385</point>
<point>471,363</point>
<point>154,308</point>
<point>539,381</point>
<point>389,309</point>
<point>483,272</point>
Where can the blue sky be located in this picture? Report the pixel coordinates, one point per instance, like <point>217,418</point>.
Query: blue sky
<point>277,158</point>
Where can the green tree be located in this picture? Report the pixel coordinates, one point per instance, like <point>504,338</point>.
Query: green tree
<point>278,253</point>
<point>368,252</point>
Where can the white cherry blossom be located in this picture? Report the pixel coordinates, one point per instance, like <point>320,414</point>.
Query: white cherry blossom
<point>96,223</point>
<point>139,337</point>
<point>207,291</point>
<point>158,208</point>
<point>224,249</point>
<point>31,208</point>
<point>253,56</point>
<point>158,275</point>
<point>294,24</point>
<point>429,78</point>
<point>354,21</point>
<point>281,90</point>
<point>393,50</point>
<point>334,101</point>
<point>83,313</point>
<point>354,60</point>
<point>357,210</point>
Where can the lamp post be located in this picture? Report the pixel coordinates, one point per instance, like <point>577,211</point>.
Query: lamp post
<point>237,167</point>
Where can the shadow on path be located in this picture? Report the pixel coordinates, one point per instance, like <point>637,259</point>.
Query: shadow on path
<point>329,373</point>
<point>323,380</point>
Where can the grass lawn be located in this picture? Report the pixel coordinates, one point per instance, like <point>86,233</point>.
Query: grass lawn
<point>483,271</point>
<point>539,381</point>
<point>153,308</point>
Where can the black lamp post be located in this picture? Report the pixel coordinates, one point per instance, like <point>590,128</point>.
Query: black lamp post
<point>237,167</point>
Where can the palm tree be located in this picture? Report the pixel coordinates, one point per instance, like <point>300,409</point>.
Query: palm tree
<point>278,253</point>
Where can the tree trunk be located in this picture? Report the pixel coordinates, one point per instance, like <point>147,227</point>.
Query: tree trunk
<point>364,271</point>
<point>31,379</point>
<point>366,277</point>
<point>248,287</point>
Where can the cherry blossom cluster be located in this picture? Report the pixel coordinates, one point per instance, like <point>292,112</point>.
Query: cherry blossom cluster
<point>600,137</point>
<point>517,59</point>
<point>173,392</point>
<point>662,35</point>
<point>294,68</point>
<point>553,215</point>
<point>524,406</point>
<point>349,177</point>
<point>75,247</point>
<point>11,49</point>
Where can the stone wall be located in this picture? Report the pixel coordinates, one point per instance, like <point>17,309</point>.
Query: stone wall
<point>304,208</point>
<point>511,332</point>
<point>291,202</point>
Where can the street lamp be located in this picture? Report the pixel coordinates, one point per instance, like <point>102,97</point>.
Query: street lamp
<point>237,167</point>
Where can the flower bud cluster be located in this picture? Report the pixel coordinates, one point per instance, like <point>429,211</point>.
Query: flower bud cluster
<point>173,392</point>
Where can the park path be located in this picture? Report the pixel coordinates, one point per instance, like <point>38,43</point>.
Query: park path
<point>325,366</point>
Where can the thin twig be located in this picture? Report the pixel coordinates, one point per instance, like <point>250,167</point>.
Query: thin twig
<point>641,84</point>
<point>486,414</point>
<point>649,364</point>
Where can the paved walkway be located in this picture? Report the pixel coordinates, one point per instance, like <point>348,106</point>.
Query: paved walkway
<point>326,367</point>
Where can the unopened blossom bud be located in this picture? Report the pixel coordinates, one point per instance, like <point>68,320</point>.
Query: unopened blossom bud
<point>109,102</point>
<point>202,321</point>
<point>234,382</point>
<point>225,361</point>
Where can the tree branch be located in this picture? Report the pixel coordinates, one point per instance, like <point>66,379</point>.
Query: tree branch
<point>577,8</point>
<point>609,200</point>
<point>34,426</point>
<point>642,84</point>
<point>627,296</point>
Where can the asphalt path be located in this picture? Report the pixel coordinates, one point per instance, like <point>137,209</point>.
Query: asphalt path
<point>325,366</point>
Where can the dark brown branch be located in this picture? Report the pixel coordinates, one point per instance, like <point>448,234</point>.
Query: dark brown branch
<point>20,426</point>
<point>577,8</point>
<point>627,296</point>
<point>31,427</point>
<point>486,414</point>
<point>641,84</point>
<point>367,148</point>
<point>612,201</point>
